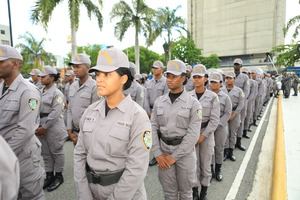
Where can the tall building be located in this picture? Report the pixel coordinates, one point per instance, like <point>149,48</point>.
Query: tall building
<point>237,28</point>
<point>4,35</point>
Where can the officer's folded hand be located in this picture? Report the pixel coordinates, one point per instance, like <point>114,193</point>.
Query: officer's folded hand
<point>162,162</point>
<point>40,131</point>
<point>170,160</point>
<point>201,138</point>
<point>232,116</point>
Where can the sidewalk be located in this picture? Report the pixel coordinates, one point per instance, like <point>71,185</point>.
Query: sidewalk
<point>291,116</point>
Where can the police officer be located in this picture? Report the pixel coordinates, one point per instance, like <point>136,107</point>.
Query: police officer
<point>69,79</point>
<point>221,132</point>
<point>295,84</point>
<point>9,173</point>
<point>112,153</point>
<point>237,100</point>
<point>52,131</point>
<point>82,93</point>
<point>189,86</point>
<point>176,121</point>
<point>251,103</point>
<point>35,79</point>
<point>19,114</point>
<point>210,121</point>
<point>156,87</point>
<point>136,91</point>
<point>241,81</point>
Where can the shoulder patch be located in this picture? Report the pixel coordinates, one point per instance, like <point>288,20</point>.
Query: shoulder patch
<point>33,103</point>
<point>59,99</point>
<point>199,113</point>
<point>147,139</point>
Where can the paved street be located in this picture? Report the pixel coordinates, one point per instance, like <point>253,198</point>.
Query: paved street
<point>217,190</point>
<point>291,110</point>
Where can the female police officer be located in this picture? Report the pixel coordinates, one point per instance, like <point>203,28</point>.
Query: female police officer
<point>177,117</point>
<point>210,120</point>
<point>112,154</point>
<point>52,131</point>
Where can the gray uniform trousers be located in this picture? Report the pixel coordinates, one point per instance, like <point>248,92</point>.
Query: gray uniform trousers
<point>221,135</point>
<point>100,192</point>
<point>53,147</point>
<point>257,107</point>
<point>204,152</point>
<point>232,134</point>
<point>179,178</point>
<point>249,116</point>
<point>243,117</point>
<point>31,181</point>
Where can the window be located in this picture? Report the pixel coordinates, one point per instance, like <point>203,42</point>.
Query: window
<point>2,32</point>
<point>6,42</point>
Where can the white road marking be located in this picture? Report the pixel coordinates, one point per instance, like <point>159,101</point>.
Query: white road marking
<point>240,174</point>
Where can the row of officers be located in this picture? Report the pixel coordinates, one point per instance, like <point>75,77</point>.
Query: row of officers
<point>189,121</point>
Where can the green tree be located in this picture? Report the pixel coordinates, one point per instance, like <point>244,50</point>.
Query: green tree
<point>165,24</point>
<point>33,52</point>
<point>138,16</point>
<point>288,55</point>
<point>185,49</point>
<point>211,61</point>
<point>92,51</point>
<point>43,10</point>
<point>147,57</point>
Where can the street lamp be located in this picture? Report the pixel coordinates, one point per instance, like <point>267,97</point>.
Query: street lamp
<point>9,19</point>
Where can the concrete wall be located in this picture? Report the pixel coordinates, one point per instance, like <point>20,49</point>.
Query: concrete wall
<point>4,35</point>
<point>236,27</point>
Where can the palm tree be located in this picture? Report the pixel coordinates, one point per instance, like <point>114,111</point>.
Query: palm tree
<point>43,10</point>
<point>138,16</point>
<point>32,50</point>
<point>166,22</point>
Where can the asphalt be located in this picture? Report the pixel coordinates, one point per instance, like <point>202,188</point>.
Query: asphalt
<point>216,191</point>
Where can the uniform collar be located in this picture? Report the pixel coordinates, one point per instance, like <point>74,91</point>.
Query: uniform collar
<point>123,106</point>
<point>182,97</point>
<point>15,84</point>
<point>86,83</point>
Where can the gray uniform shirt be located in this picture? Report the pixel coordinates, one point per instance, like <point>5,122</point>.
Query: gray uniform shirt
<point>66,91</point>
<point>237,98</point>
<point>189,86</point>
<point>136,92</point>
<point>182,118</point>
<point>156,88</point>
<point>111,143</point>
<point>242,81</point>
<point>19,113</point>
<point>253,90</point>
<point>260,86</point>
<point>225,108</point>
<point>9,173</point>
<point>80,97</point>
<point>53,104</point>
<point>210,111</point>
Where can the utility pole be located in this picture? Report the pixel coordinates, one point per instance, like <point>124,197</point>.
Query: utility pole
<point>10,28</point>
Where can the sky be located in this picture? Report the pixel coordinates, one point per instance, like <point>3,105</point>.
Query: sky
<point>89,33</point>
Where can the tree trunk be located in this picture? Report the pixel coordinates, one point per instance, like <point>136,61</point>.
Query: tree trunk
<point>169,45</point>
<point>137,51</point>
<point>73,40</point>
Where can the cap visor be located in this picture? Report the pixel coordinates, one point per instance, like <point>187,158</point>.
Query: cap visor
<point>43,74</point>
<point>214,80</point>
<point>103,68</point>
<point>197,74</point>
<point>3,58</point>
<point>173,72</point>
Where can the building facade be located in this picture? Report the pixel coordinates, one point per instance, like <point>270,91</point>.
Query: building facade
<point>4,35</point>
<point>237,28</point>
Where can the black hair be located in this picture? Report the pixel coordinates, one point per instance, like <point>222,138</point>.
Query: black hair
<point>186,78</point>
<point>55,76</point>
<point>125,71</point>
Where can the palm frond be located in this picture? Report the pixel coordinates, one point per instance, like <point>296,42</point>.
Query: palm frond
<point>93,9</point>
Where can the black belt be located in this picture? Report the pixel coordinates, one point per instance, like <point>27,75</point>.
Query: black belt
<point>204,124</point>
<point>103,179</point>
<point>44,115</point>
<point>77,130</point>
<point>234,108</point>
<point>172,140</point>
